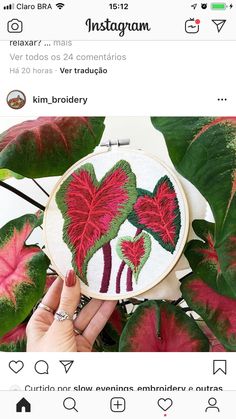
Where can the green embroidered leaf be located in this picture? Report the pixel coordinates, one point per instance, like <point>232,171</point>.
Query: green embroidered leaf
<point>157,326</point>
<point>218,311</point>
<point>93,210</point>
<point>134,251</point>
<point>158,213</point>
<point>48,146</point>
<point>22,272</point>
<point>204,151</point>
<point>203,258</point>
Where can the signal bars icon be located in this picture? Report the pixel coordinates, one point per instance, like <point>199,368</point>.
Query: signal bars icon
<point>9,7</point>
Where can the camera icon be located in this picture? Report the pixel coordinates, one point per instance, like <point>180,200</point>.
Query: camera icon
<point>15,26</point>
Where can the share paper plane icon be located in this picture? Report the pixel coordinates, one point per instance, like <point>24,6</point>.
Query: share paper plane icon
<point>219,23</point>
<point>67,365</point>
<point>194,6</point>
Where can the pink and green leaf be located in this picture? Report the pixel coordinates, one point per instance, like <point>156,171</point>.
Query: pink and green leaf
<point>218,311</point>
<point>48,146</point>
<point>93,210</point>
<point>114,327</point>
<point>158,213</point>
<point>203,258</point>
<point>134,251</point>
<point>215,345</point>
<point>15,340</point>
<point>22,271</point>
<point>203,150</point>
<point>157,326</point>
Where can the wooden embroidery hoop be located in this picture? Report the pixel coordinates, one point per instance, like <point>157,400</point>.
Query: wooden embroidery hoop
<point>86,290</point>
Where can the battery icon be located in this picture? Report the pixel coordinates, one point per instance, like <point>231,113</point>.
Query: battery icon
<point>218,6</point>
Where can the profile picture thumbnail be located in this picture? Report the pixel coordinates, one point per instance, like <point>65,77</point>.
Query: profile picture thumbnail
<point>16,99</point>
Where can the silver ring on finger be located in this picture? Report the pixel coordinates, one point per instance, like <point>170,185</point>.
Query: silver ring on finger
<point>62,315</point>
<point>78,331</point>
<point>44,307</point>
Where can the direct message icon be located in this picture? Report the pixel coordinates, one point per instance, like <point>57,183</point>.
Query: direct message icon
<point>220,366</point>
<point>67,365</point>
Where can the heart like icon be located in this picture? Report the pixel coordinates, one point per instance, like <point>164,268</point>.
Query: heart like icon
<point>165,404</point>
<point>16,366</point>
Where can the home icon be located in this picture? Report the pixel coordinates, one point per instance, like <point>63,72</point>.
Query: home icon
<point>23,406</point>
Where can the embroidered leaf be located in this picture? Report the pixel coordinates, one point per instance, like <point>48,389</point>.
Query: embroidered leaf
<point>203,257</point>
<point>15,340</point>
<point>157,326</point>
<point>22,272</point>
<point>93,210</point>
<point>134,251</point>
<point>158,213</point>
<point>204,151</point>
<point>48,146</point>
<point>218,311</point>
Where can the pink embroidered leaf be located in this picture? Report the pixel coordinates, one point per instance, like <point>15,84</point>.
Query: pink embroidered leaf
<point>218,311</point>
<point>203,150</point>
<point>48,146</point>
<point>134,251</point>
<point>22,271</point>
<point>93,210</point>
<point>15,340</point>
<point>157,326</point>
<point>158,213</point>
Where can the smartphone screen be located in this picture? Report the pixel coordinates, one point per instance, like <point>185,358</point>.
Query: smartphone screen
<point>118,209</point>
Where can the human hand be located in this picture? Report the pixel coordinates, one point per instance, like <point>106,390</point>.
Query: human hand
<point>45,334</point>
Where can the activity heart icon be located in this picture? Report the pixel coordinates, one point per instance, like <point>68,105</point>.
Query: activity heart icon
<point>165,404</point>
<point>16,366</point>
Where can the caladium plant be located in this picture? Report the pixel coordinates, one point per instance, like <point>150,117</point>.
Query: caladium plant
<point>203,151</point>
<point>22,271</point>
<point>157,326</point>
<point>48,146</point>
<point>15,340</point>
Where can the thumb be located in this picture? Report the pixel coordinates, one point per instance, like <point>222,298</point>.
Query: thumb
<point>70,295</point>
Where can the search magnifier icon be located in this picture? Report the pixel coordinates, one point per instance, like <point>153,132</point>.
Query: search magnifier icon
<point>70,404</point>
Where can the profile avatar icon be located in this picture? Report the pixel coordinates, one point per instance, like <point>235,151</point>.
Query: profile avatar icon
<point>16,99</point>
<point>212,402</point>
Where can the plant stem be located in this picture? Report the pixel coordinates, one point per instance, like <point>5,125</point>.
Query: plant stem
<point>129,283</point>
<point>107,268</point>
<point>22,195</point>
<point>118,277</point>
<point>40,187</point>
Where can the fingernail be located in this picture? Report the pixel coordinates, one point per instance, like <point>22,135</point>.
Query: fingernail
<point>70,278</point>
